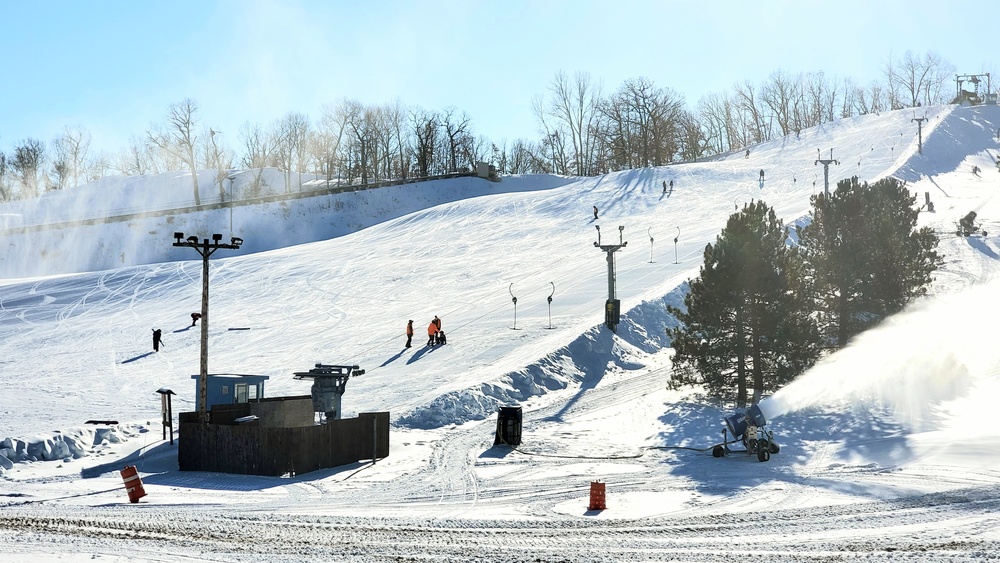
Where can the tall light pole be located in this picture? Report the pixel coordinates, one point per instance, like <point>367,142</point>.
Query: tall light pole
<point>205,248</point>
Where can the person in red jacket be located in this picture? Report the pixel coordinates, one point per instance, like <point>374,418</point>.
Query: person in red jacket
<point>432,330</point>
<point>409,332</point>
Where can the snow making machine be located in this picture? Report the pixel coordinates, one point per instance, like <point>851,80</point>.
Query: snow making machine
<point>967,225</point>
<point>748,428</point>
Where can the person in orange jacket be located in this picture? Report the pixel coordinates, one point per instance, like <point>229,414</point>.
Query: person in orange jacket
<point>432,330</point>
<point>409,332</point>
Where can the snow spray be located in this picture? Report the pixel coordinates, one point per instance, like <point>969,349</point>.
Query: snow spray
<point>933,352</point>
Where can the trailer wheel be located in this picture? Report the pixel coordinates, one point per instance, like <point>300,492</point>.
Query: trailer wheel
<point>718,451</point>
<point>773,448</point>
<point>763,455</point>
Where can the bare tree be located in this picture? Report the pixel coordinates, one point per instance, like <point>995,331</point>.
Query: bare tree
<point>553,145</point>
<point>715,113</point>
<point>26,163</point>
<point>258,148</point>
<point>217,156</point>
<point>178,138</point>
<point>456,131</point>
<point>71,150</point>
<point>746,100</point>
<point>98,165</point>
<point>424,126</point>
<point>574,108</point>
<point>641,124</point>
<point>5,192</point>
<point>779,93</point>
<point>291,133</point>
<point>135,159</point>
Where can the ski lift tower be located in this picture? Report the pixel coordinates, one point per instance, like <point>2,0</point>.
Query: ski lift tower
<point>973,97</point>
<point>329,384</point>
<point>612,307</point>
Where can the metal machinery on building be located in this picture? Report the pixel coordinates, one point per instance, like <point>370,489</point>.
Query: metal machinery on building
<point>329,384</point>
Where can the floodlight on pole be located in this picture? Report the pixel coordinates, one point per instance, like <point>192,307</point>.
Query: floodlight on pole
<point>205,248</point>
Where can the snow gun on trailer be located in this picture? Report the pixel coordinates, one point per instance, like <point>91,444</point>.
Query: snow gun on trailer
<point>967,225</point>
<point>747,428</point>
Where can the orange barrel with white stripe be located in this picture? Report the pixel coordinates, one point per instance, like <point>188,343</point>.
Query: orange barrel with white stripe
<point>133,484</point>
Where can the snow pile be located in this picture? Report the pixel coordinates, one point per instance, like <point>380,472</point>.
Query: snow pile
<point>67,445</point>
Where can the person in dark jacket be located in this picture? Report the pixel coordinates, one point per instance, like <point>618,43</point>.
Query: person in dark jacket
<point>194,318</point>
<point>595,212</point>
<point>409,332</point>
<point>156,339</point>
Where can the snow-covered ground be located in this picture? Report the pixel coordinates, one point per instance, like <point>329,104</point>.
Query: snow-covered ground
<point>887,448</point>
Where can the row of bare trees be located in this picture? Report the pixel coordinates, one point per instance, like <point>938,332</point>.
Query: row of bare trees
<point>582,132</point>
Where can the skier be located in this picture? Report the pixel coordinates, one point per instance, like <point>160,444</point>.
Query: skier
<point>409,332</point>
<point>664,186</point>
<point>156,339</point>
<point>595,212</point>
<point>431,333</point>
<point>441,339</point>
<point>748,154</point>
<point>671,187</point>
<point>761,174</point>
<point>194,318</point>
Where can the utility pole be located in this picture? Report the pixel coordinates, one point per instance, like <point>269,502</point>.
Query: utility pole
<point>205,249</point>
<point>826,170</point>
<point>612,307</point>
<point>920,133</point>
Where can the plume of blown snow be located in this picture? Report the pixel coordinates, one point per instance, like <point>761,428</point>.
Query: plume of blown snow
<point>913,363</point>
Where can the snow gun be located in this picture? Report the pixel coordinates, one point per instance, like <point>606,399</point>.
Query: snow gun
<point>748,428</point>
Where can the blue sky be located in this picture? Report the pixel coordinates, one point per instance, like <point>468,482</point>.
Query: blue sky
<point>113,67</point>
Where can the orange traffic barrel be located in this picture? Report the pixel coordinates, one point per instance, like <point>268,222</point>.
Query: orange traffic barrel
<point>133,484</point>
<point>597,496</point>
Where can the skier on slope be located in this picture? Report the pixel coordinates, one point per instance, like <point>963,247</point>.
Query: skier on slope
<point>156,339</point>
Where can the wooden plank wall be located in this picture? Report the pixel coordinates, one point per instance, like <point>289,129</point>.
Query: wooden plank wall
<point>258,450</point>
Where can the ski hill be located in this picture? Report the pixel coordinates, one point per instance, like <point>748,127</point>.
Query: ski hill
<point>899,418</point>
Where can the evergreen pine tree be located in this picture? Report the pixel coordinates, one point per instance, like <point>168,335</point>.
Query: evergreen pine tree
<point>864,257</point>
<point>745,325</point>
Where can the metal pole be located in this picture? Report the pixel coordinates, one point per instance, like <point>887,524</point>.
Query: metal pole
<point>170,417</point>
<point>205,248</point>
<point>203,371</point>
<point>163,411</point>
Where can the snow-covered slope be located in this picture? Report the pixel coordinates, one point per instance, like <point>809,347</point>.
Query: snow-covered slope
<point>76,347</point>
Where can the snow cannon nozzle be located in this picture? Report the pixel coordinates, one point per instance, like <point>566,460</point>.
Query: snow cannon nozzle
<point>737,423</point>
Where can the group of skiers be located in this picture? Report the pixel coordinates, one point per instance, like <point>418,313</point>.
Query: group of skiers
<point>435,336</point>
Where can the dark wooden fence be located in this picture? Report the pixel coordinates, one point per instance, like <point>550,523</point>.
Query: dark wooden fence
<point>251,449</point>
